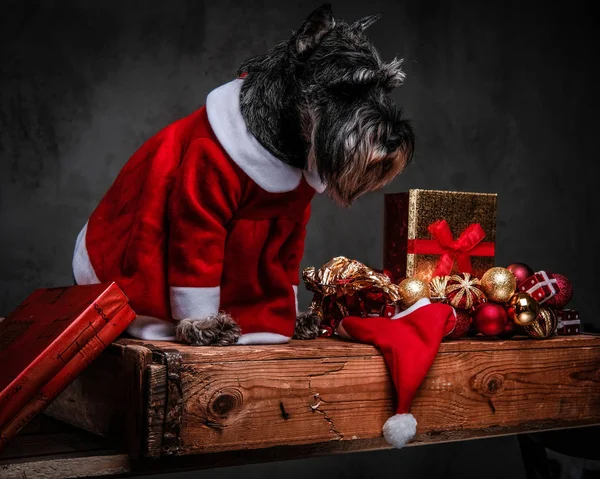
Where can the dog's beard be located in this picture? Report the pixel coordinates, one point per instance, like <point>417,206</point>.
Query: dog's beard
<point>357,159</point>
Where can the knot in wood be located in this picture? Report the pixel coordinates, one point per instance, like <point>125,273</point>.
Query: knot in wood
<point>493,384</point>
<point>223,402</point>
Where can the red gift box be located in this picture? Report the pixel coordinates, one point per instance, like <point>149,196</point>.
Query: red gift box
<point>430,233</point>
<point>568,322</point>
<point>540,286</point>
<point>50,338</point>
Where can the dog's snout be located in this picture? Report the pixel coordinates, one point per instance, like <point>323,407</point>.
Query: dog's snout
<point>393,142</point>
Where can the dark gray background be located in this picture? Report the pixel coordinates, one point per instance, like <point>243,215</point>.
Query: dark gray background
<point>500,93</point>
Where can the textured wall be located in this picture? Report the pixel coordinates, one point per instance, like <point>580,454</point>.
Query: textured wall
<point>500,94</point>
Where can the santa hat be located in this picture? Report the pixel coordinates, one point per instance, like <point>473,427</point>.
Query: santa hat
<point>409,342</point>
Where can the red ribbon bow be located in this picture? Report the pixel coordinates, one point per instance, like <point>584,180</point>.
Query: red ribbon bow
<point>460,250</point>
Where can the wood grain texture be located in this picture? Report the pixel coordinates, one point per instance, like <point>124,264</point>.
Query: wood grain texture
<point>45,436</point>
<point>67,468</point>
<point>96,393</point>
<point>105,463</point>
<point>70,453</point>
<point>136,358</point>
<point>232,405</point>
<point>255,404</point>
<point>109,397</point>
<point>331,391</point>
<point>156,399</point>
<point>497,392</point>
<point>333,347</point>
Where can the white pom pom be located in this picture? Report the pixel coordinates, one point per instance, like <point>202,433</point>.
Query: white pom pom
<point>400,429</point>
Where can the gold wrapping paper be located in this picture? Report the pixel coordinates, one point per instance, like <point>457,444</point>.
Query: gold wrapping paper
<point>408,216</point>
<point>344,287</point>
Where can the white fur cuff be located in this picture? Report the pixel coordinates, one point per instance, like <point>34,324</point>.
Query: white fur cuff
<point>151,329</point>
<point>419,304</point>
<point>262,338</point>
<point>194,303</point>
<point>295,288</point>
<point>400,429</point>
<point>83,271</point>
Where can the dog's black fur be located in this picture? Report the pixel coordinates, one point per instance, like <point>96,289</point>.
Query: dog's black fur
<point>319,101</point>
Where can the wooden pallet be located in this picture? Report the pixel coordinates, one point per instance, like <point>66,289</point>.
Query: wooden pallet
<point>166,399</point>
<point>51,449</point>
<point>195,408</point>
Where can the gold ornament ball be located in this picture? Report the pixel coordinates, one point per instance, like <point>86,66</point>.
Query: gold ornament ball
<point>412,290</point>
<point>498,284</point>
<point>522,309</point>
<point>544,325</point>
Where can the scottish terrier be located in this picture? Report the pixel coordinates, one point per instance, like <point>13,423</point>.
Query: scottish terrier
<point>204,226</point>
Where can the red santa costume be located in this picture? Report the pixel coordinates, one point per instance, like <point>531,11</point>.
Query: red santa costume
<point>202,219</point>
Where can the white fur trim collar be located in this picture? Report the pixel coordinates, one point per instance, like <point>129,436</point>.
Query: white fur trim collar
<point>419,304</point>
<point>268,172</point>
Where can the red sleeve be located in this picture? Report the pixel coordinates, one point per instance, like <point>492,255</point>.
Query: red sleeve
<point>204,197</point>
<point>296,249</point>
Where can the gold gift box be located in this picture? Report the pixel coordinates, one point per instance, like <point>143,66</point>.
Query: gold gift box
<point>410,248</point>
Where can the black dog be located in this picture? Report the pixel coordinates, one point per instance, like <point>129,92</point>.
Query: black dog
<point>211,212</point>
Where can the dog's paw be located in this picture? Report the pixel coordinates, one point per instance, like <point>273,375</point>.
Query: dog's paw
<point>217,330</point>
<point>307,325</point>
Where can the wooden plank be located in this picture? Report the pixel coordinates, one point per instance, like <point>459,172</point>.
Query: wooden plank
<point>67,468</point>
<point>136,359</point>
<point>255,404</point>
<point>331,390</point>
<point>334,347</point>
<point>108,398</point>
<point>49,449</point>
<point>156,380</point>
<point>481,343</point>
<point>98,463</point>
<point>237,405</point>
<point>481,394</point>
<point>98,393</point>
<point>47,444</point>
<point>46,436</point>
<point>242,458</point>
<point>42,424</point>
<point>102,463</point>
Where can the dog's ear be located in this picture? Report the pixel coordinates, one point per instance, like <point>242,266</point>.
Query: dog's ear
<point>317,25</point>
<point>364,23</point>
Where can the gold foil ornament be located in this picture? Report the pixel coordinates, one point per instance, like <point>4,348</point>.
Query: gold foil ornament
<point>342,286</point>
<point>342,276</point>
<point>498,284</point>
<point>544,324</point>
<point>522,309</point>
<point>437,289</point>
<point>412,290</point>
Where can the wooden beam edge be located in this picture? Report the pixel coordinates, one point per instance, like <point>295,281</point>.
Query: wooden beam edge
<point>119,464</point>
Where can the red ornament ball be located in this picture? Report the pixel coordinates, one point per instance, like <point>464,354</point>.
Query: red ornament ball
<point>464,291</point>
<point>509,330</point>
<point>462,326</point>
<point>489,319</point>
<point>521,272</point>
<point>564,294</point>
